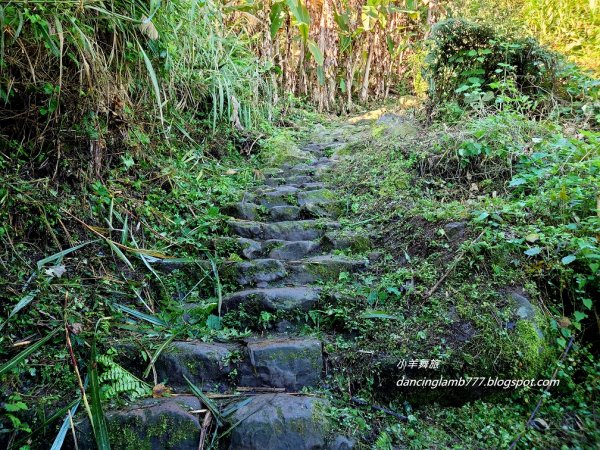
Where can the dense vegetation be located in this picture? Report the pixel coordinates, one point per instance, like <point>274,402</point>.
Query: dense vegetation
<point>126,127</point>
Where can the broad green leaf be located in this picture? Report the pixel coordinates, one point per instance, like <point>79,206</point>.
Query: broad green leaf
<point>579,316</point>
<point>533,251</point>
<point>276,18</point>
<point>587,302</point>
<point>568,259</point>
<point>314,50</point>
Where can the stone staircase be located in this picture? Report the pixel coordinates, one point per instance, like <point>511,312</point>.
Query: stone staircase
<point>285,233</point>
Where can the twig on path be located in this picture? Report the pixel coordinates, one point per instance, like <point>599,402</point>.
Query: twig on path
<point>205,426</point>
<point>460,256</point>
<point>539,403</point>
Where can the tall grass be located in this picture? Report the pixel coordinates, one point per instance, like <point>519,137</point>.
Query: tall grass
<point>72,72</point>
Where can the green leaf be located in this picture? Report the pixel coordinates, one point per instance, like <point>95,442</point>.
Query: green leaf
<point>568,259</point>
<point>138,315</point>
<point>26,300</point>
<point>276,18</point>
<point>98,420</point>
<point>60,255</point>
<point>587,302</point>
<point>302,17</point>
<point>533,251</point>
<point>378,315</point>
<point>154,80</point>
<point>579,316</point>
<point>205,400</point>
<point>25,353</point>
<point>314,50</point>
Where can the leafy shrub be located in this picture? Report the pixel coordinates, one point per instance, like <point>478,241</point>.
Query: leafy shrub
<point>471,63</point>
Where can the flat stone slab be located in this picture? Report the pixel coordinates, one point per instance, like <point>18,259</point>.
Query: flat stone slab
<point>273,299</point>
<point>316,196</point>
<point>292,250</point>
<point>285,363</point>
<point>321,268</point>
<point>207,365</point>
<point>243,210</point>
<point>280,422</point>
<point>150,424</point>
<point>296,230</point>
<point>255,272</point>
<point>283,213</point>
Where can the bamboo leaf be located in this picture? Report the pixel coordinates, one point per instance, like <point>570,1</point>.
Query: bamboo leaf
<point>138,315</point>
<point>61,255</point>
<point>62,433</point>
<point>19,306</point>
<point>25,353</point>
<point>212,407</point>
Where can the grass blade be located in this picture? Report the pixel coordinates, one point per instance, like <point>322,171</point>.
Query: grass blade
<point>205,400</point>
<point>60,255</point>
<point>19,306</point>
<point>62,433</point>
<point>156,355</point>
<point>218,283</point>
<point>98,420</point>
<point>138,315</point>
<point>25,353</point>
<point>154,80</point>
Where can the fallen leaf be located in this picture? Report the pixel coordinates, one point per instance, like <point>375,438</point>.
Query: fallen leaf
<point>55,271</point>
<point>564,322</point>
<point>532,237</point>
<point>160,390</point>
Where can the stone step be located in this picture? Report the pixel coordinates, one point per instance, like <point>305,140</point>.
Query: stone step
<point>301,298</point>
<point>274,272</point>
<point>272,248</point>
<point>289,363</point>
<point>281,422</point>
<point>260,422</point>
<point>295,230</point>
<point>149,424</point>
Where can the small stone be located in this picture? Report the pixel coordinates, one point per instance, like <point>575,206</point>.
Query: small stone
<point>455,230</point>
<point>342,443</point>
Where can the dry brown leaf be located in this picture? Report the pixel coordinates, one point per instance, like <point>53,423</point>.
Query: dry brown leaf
<point>564,322</point>
<point>160,390</point>
<point>148,28</point>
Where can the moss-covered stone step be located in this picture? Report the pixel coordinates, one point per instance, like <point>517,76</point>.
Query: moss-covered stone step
<point>259,422</point>
<point>301,298</point>
<point>275,272</point>
<point>281,422</point>
<point>294,230</point>
<point>321,268</point>
<point>289,363</point>
<point>281,362</point>
<point>149,424</point>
